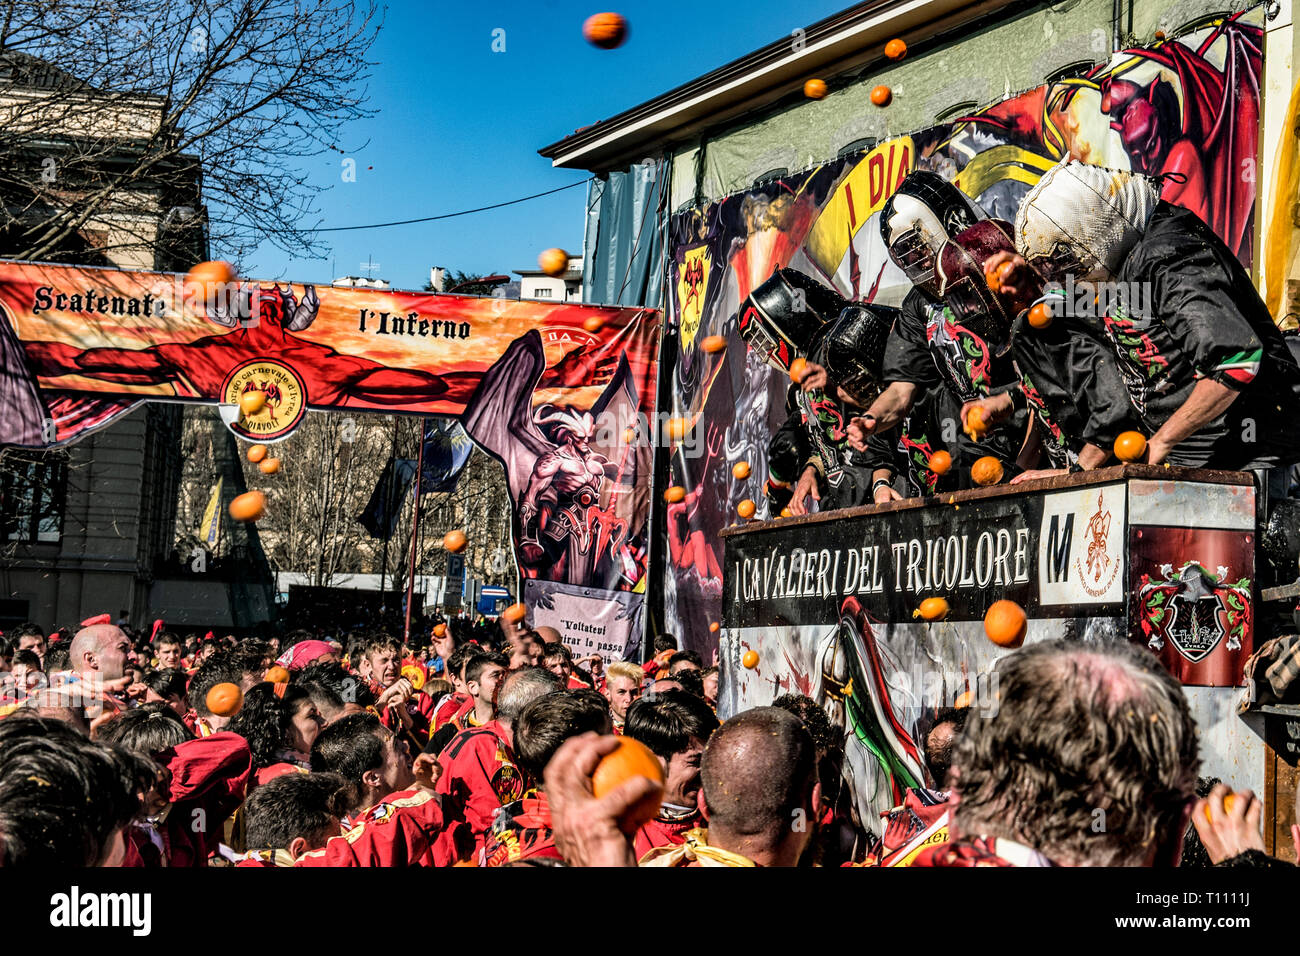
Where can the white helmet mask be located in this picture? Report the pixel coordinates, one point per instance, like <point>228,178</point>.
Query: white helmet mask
<point>1084,219</point>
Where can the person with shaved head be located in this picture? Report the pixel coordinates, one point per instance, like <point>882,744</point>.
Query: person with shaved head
<point>99,655</point>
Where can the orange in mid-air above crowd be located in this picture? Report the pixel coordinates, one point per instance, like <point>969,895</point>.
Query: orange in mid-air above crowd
<point>741,470</point>
<point>631,759</point>
<point>554,262</point>
<point>454,541</point>
<point>1040,315</point>
<point>1005,623</point>
<point>896,49</point>
<point>250,403</point>
<point>745,509</point>
<point>881,95</point>
<point>674,494</point>
<point>986,471</point>
<point>750,660</point>
<point>675,429</point>
<point>714,627</point>
<point>268,466</point>
<point>932,609</point>
<point>249,506</point>
<point>593,324</point>
<point>256,453</point>
<point>208,276</point>
<point>515,613</point>
<point>814,89</point>
<point>605,30</point>
<point>224,700</point>
<point>1130,446</point>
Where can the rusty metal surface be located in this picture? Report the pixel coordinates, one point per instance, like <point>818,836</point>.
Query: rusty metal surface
<point>1100,476</point>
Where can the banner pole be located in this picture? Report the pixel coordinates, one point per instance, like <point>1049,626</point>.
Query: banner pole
<point>415,534</point>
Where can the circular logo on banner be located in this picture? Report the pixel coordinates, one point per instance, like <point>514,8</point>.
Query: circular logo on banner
<point>286,399</point>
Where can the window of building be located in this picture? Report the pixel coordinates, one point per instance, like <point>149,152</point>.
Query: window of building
<point>32,491</point>
<point>542,293</point>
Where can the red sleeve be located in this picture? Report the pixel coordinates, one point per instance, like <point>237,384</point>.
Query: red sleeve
<point>210,776</point>
<point>406,832</point>
<point>479,777</point>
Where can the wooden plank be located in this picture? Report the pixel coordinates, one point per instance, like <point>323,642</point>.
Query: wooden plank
<point>1281,593</point>
<point>1100,476</point>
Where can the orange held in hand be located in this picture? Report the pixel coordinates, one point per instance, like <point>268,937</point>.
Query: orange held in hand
<point>745,509</point>
<point>277,675</point>
<point>714,343</point>
<point>940,462</point>
<point>454,541</point>
<point>986,471</point>
<point>675,494</point>
<point>249,506</point>
<point>440,630</point>
<point>998,275</point>
<point>896,49</point>
<point>1005,624</point>
<point>881,95</point>
<point>1040,315</point>
<point>256,453</point>
<point>741,470</point>
<point>515,613</point>
<point>1130,446</point>
<point>224,700</point>
<point>787,513</point>
<point>932,609</point>
<point>750,660</point>
<point>554,262</point>
<point>798,368</point>
<point>814,89</point>
<point>1228,801</point>
<point>977,423</point>
<point>268,466</point>
<point>605,30</point>
<point>593,323</point>
<point>631,759</point>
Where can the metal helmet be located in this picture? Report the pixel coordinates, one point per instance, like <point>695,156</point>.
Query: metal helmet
<point>852,350</point>
<point>923,213</point>
<point>964,288</point>
<point>778,318</point>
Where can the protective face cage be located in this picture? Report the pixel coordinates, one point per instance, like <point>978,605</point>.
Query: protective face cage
<point>964,288</point>
<point>925,211</point>
<point>852,350</point>
<point>1062,261</point>
<point>779,318</point>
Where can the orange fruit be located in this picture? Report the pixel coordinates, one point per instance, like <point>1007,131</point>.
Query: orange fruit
<point>963,700</point>
<point>256,453</point>
<point>605,30</point>
<point>207,277</point>
<point>786,513</point>
<point>277,675</point>
<point>1005,623</point>
<point>750,660</point>
<point>631,759</point>
<point>515,613</point>
<point>940,462</point>
<point>440,630</point>
<point>986,471</point>
<point>881,95</point>
<point>454,541</point>
<point>977,425</point>
<point>554,262</point>
<point>593,323</point>
<point>745,509</point>
<point>814,89</point>
<point>797,369</point>
<point>414,675</point>
<point>1130,446</point>
<point>714,343</point>
<point>995,277</point>
<point>629,436</point>
<point>675,429</point>
<point>714,627</point>
<point>1040,316</point>
<point>249,506</point>
<point>932,609</point>
<point>741,470</point>
<point>224,700</point>
<point>1228,801</point>
<point>268,466</point>
<point>250,403</point>
<point>896,49</point>
<point>675,494</point>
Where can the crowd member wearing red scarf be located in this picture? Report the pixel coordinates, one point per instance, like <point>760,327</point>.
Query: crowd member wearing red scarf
<point>675,726</point>
<point>623,683</point>
<point>1100,719</point>
<point>522,829</point>
<point>479,773</point>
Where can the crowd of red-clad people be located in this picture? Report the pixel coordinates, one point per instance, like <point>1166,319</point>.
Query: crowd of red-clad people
<point>478,748</point>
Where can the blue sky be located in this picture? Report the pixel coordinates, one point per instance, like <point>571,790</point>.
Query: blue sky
<point>459,126</point>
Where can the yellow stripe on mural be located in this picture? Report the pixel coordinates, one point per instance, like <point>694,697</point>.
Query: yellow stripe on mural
<point>860,194</point>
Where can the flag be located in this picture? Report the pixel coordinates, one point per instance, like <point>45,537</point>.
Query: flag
<point>211,526</point>
<point>380,516</point>
<point>446,450</point>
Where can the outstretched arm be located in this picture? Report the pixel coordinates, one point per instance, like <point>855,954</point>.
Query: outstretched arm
<point>125,366</point>
<point>579,368</point>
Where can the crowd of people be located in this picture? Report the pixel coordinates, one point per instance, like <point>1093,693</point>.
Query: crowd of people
<point>351,752</point>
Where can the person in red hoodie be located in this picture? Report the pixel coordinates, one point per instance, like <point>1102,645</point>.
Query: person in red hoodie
<point>479,773</point>
<point>291,816</point>
<point>675,725</point>
<point>459,702</point>
<point>522,829</point>
<point>401,707</point>
<point>201,783</point>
